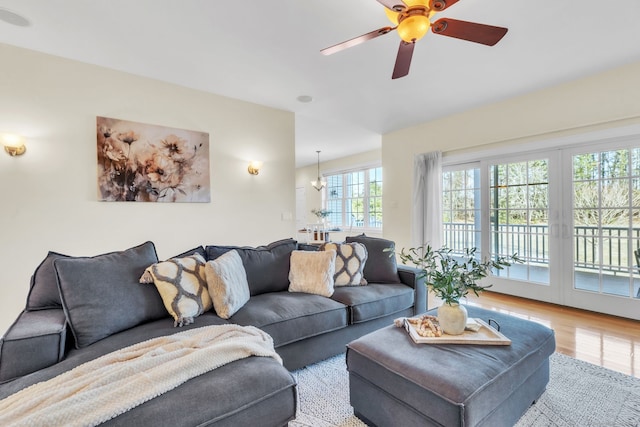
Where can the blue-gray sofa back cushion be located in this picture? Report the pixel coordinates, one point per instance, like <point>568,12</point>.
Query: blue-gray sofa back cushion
<point>102,295</point>
<point>381,266</point>
<point>43,293</point>
<point>267,266</point>
<point>197,250</point>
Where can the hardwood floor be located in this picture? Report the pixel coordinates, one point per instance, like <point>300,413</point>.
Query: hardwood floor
<point>608,341</point>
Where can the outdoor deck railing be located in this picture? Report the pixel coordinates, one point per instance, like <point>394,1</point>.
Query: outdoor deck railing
<point>531,242</point>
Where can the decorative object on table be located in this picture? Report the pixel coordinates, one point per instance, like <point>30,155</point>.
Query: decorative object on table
<point>319,232</point>
<point>452,276</point>
<point>146,163</point>
<point>321,214</point>
<point>426,329</point>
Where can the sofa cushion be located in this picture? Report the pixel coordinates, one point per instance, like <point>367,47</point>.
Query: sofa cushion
<point>227,283</point>
<point>308,247</point>
<point>255,391</point>
<point>145,331</point>
<point>292,316</point>
<point>35,341</point>
<point>182,284</point>
<point>350,262</point>
<point>267,266</point>
<point>43,293</point>
<point>101,295</point>
<point>374,300</point>
<point>381,266</point>
<point>312,272</point>
<point>197,250</point>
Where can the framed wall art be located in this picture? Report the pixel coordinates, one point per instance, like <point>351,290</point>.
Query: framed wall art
<point>140,162</point>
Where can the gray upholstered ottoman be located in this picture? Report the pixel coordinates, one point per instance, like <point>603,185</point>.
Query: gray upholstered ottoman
<point>395,382</point>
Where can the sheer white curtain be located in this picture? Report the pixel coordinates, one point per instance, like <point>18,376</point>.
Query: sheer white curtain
<point>427,200</point>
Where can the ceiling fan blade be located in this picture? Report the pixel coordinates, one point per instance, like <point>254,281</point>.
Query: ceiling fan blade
<point>470,31</point>
<point>395,5</point>
<point>355,41</point>
<point>440,5</point>
<point>403,60</point>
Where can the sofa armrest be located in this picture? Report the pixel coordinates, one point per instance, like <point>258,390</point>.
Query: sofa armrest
<point>35,341</point>
<point>410,277</point>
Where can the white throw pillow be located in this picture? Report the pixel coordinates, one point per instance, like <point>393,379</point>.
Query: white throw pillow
<point>350,261</point>
<point>182,285</point>
<point>312,272</point>
<point>228,284</point>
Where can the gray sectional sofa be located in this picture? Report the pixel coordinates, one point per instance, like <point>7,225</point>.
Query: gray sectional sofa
<point>98,303</point>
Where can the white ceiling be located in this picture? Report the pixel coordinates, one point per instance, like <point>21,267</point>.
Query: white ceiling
<point>267,52</point>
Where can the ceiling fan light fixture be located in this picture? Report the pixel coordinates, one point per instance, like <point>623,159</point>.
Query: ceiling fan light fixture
<point>393,15</point>
<point>414,27</point>
<point>412,20</point>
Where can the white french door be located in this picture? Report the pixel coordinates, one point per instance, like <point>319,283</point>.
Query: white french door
<point>521,216</point>
<point>602,182</point>
<point>571,214</point>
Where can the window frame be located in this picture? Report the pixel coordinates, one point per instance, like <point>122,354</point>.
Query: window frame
<point>476,229</point>
<point>344,199</point>
<point>561,288</point>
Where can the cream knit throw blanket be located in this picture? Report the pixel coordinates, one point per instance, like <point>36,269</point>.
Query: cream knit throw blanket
<point>104,388</point>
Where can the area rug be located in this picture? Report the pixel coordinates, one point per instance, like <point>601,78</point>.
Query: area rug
<point>579,394</point>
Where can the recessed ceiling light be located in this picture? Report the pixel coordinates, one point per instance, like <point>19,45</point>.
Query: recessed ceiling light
<point>13,18</point>
<point>305,98</point>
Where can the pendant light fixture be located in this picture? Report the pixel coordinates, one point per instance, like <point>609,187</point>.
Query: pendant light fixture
<point>319,183</point>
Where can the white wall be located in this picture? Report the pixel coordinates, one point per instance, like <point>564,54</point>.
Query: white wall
<point>607,100</point>
<point>49,195</point>
<point>313,198</point>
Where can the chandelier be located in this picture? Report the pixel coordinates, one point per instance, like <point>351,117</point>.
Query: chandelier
<point>319,183</point>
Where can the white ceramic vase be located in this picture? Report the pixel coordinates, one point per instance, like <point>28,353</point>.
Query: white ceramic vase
<point>452,318</point>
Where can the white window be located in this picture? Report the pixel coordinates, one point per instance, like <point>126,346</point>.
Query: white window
<point>354,199</point>
<point>461,207</point>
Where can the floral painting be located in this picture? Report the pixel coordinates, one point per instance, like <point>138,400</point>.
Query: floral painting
<point>146,163</point>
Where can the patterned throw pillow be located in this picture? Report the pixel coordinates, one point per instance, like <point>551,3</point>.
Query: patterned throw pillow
<point>350,262</point>
<point>182,285</point>
<point>312,272</point>
<point>228,284</point>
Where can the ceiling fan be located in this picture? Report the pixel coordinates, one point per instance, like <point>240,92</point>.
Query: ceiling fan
<point>412,19</point>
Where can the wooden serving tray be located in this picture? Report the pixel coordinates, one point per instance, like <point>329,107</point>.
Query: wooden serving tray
<point>486,335</point>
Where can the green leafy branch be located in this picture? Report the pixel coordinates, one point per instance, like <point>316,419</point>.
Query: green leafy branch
<point>452,276</point>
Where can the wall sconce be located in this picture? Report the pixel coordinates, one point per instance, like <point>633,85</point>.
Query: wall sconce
<point>254,167</point>
<point>13,144</point>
